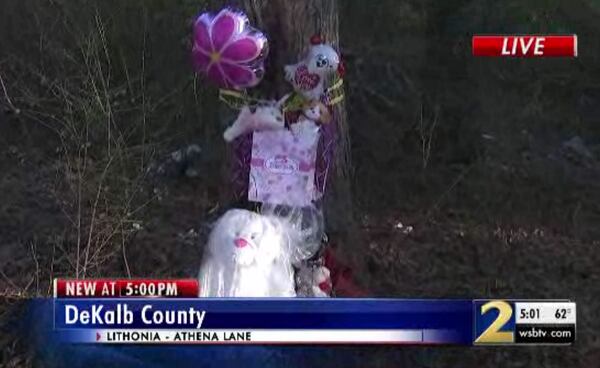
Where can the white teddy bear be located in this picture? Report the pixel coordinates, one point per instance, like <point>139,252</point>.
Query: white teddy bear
<point>248,255</point>
<point>260,118</point>
<point>270,117</point>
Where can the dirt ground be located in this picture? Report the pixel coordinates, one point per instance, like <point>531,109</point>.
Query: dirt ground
<point>409,254</point>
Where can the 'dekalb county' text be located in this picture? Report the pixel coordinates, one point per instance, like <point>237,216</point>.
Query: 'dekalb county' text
<point>122,315</point>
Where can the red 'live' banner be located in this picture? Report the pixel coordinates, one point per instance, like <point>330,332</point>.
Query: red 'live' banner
<point>115,288</point>
<point>525,46</point>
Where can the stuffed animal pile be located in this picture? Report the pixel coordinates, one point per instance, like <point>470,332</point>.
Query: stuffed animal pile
<point>307,78</point>
<point>264,254</point>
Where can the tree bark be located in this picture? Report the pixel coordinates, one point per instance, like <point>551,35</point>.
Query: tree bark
<point>289,24</point>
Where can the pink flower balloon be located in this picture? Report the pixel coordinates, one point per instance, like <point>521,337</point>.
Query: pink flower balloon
<point>228,50</point>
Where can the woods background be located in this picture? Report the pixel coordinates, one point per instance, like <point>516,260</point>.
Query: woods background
<point>470,177</point>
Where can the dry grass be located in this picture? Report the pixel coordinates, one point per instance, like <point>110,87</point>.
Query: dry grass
<point>85,178</point>
<point>97,185</point>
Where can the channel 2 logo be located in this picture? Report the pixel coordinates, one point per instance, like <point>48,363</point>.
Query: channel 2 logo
<point>494,322</point>
<point>500,322</point>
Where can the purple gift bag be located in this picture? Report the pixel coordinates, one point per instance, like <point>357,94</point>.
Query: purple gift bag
<point>241,182</point>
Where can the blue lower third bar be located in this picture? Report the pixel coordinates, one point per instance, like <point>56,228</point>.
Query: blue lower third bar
<point>264,321</point>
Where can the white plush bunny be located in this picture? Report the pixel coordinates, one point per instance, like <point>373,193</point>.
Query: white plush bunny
<point>268,117</point>
<point>248,255</point>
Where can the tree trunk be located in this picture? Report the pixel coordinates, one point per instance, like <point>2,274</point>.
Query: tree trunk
<point>289,24</point>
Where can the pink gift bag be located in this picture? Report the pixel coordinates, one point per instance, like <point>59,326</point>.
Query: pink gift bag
<point>282,166</point>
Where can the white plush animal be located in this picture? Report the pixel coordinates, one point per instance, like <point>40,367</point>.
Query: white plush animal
<point>308,76</point>
<point>248,255</point>
<point>306,127</point>
<point>268,117</point>
<point>317,112</point>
